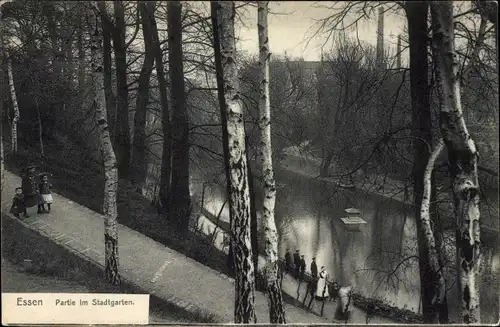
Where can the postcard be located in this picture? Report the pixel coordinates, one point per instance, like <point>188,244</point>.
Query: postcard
<point>249,162</point>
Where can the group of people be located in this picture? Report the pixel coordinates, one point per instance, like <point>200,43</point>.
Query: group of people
<point>33,191</point>
<point>298,267</point>
<point>318,288</point>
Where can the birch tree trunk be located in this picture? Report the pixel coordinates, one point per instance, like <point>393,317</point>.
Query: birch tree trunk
<point>139,162</point>
<point>462,156</point>
<point>239,197</point>
<point>180,204</point>
<point>15,119</point>
<point>275,297</point>
<point>108,154</point>
<point>417,14</point>
<point>108,69</point>
<point>122,135</point>
<point>438,281</point>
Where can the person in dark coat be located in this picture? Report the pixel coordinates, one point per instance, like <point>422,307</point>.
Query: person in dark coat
<point>314,268</point>
<point>30,187</point>
<point>302,267</point>
<point>296,262</point>
<point>288,260</point>
<point>18,206</point>
<point>44,189</point>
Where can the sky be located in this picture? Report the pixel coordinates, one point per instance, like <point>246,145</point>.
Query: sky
<point>291,26</point>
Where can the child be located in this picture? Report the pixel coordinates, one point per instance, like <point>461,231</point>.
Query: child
<point>18,206</point>
<point>45,194</point>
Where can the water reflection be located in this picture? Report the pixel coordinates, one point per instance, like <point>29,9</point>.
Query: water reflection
<point>380,260</point>
<point>308,213</point>
<point>312,208</point>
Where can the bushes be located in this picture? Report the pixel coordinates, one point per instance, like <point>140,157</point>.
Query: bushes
<point>381,308</point>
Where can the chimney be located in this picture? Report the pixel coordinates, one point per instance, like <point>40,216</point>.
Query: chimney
<point>398,53</point>
<point>380,37</point>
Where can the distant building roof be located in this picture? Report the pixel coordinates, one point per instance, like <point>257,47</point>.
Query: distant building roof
<point>353,211</point>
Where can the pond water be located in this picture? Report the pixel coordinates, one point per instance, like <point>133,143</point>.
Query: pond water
<point>309,213</point>
<point>308,217</point>
<point>380,260</point>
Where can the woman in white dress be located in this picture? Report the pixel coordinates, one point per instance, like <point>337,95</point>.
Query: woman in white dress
<point>322,289</point>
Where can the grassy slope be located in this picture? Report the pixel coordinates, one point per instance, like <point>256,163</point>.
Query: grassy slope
<point>83,182</point>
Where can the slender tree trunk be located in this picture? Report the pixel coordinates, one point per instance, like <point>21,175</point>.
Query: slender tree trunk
<point>438,232</point>
<point>495,114</point>
<point>70,67</point>
<point>139,155</point>
<point>122,136</point>
<point>254,225</point>
<point>326,162</point>
<point>417,13</point>
<point>67,47</point>
<point>166,160</point>
<point>398,53</point>
<point>108,154</point>
<point>40,129</point>
<point>489,11</point>
<point>3,56</point>
<point>53,31</point>
<point>462,156</point>
<point>222,104</point>
<point>217,223</point>
<point>81,55</point>
<point>108,69</point>
<point>275,297</point>
<point>70,71</point>
<point>434,254</point>
<point>1,137</point>
<point>15,106</point>
<point>474,56</point>
<point>239,197</point>
<point>329,148</point>
<point>321,110</point>
<point>324,123</point>
<point>68,40</point>
<point>180,204</point>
